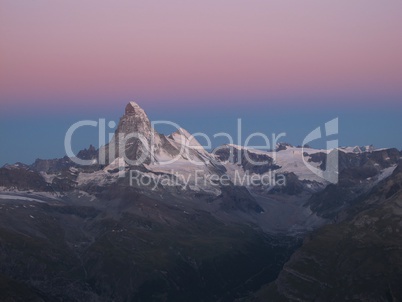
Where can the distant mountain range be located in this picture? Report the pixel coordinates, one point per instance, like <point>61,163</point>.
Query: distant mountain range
<point>184,224</point>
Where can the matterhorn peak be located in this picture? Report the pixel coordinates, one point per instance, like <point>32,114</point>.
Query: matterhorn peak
<point>134,120</point>
<point>134,104</point>
<point>135,127</point>
<point>133,108</point>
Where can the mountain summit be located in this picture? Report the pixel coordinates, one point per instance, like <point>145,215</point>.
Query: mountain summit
<point>138,143</point>
<point>134,120</point>
<point>134,133</point>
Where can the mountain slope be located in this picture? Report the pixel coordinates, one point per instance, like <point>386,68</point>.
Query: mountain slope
<point>357,259</point>
<point>133,248</point>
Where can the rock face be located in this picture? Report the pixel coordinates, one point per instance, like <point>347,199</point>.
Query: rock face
<point>358,173</point>
<point>52,165</point>
<point>87,154</point>
<point>21,177</point>
<point>134,120</point>
<point>133,137</point>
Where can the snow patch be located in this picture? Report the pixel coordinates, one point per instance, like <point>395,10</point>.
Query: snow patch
<point>16,197</point>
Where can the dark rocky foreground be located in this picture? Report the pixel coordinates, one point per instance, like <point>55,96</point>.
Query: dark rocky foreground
<point>69,252</point>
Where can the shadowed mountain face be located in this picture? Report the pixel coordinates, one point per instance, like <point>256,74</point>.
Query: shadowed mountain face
<point>358,173</point>
<point>133,248</point>
<point>71,232</point>
<point>358,258</point>
<point>136,122</point>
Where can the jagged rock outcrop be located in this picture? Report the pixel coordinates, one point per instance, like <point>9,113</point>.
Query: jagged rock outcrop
<point>133,138</point>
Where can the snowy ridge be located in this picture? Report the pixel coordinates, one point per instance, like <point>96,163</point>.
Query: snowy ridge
<point>289,160</point>
<point>357,149</point>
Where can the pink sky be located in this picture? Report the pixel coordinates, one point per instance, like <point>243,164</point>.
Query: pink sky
<point>102,50</point>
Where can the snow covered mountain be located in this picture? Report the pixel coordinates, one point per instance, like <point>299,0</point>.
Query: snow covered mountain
<point>243,181</point>
<point>179,158</point>
<point>142,144</point>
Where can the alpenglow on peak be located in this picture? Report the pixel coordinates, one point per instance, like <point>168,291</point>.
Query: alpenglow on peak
<point>133,108</point>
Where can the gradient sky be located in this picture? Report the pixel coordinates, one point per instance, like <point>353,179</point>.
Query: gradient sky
<point>65,60</point>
